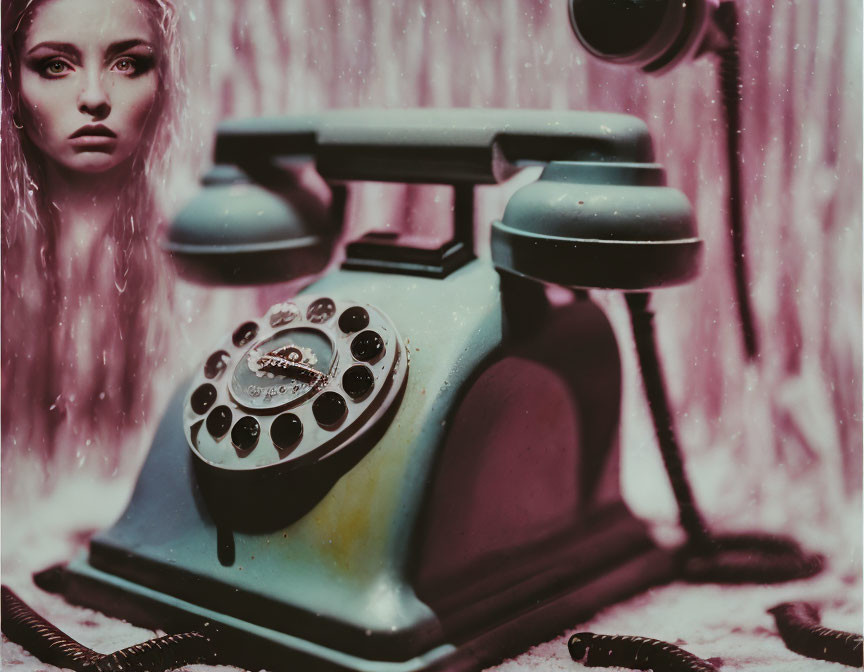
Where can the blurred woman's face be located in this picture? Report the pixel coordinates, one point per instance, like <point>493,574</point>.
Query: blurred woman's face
<point>88,81</point>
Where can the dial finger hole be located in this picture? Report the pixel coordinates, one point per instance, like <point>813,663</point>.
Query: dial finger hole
<point>367,346</point>
<point>244,334</point>
<point>203,398</point>
<point>219,421</point>
<point>354,319</point>
<point>358,382</point>
<point>284,313</point>
<point>245,434</point>
<point>329,409</point>
<point>216,364</point>
<point>320,310</point>
<point>286,432</point>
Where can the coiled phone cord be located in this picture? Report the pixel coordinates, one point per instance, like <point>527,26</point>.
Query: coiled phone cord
<point>803,632</point>
<point>635,653</point>
<point>51,645</point>
<point>735,558</point>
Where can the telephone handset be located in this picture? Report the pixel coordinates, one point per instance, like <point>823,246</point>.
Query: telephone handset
<point>412,464</point>
<point>242,229</point>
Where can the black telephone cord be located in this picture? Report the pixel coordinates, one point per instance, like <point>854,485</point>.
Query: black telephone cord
<point>51,645</point>
<point>706,557</point>
<point>726,19</point>
<point>635,653</point>
<point>802,631</point>
<point>735,558</point>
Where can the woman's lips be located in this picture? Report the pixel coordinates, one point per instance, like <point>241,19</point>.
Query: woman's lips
<point>100,130</point>
<point>97,138</point>
<point>93,142</point>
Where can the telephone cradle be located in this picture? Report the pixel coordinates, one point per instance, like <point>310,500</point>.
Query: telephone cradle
<point>413,463</point>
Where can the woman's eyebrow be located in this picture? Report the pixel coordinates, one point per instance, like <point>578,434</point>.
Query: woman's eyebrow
<point>120,47</point>
<point>63,47</point>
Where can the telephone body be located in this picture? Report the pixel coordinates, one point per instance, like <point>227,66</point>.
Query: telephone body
<point>416,464</point>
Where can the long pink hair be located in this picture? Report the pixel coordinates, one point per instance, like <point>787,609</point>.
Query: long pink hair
<point>77,354</point>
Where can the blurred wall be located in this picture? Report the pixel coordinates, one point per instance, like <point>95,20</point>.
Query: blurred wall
<point>793,420</point>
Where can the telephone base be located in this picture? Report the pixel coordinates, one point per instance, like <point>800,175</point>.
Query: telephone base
<point>255,647</point>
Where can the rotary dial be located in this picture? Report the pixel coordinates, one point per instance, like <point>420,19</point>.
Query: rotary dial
<point>295,385</point>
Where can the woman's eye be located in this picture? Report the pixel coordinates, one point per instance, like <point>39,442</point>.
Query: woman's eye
<point>54,68</point>
<point>125,65</point>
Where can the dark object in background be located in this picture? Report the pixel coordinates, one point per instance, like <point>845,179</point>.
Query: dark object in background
<point>653,35</point>
<point>656,35</point>
<point>802,631</point>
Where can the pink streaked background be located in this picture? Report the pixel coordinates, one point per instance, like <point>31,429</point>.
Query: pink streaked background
<point>776,445</point>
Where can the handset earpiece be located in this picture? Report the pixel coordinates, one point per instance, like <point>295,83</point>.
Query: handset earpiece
<point>653,35</point>
<point>599,225</point>
<point>254,226</point>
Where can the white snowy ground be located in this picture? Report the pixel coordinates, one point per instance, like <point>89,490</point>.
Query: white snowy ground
<point>727,624</point>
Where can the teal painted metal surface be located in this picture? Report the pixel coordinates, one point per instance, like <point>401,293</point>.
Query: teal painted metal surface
<point>599,225</point>
<point>297,651</point>
<point>346,560</point>
<point>442,146</point>
<point>338,586</point>
<point>450,326</point>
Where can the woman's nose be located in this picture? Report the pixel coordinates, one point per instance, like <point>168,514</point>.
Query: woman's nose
<point>93,98</point>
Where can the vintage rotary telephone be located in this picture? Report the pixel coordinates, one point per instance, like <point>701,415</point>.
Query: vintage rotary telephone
<point>412,464</point>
